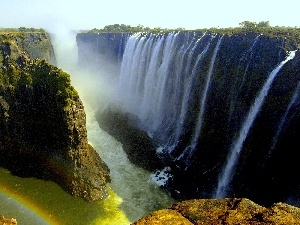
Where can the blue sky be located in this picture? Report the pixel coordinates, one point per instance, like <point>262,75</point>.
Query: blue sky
<point>189,14</point>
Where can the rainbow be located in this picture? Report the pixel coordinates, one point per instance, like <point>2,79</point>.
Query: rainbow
<point>50,204</point>
<point>10,192</point>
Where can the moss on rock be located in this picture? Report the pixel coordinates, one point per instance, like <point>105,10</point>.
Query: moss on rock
<point>43,122</point>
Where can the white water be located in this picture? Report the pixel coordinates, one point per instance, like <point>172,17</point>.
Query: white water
<point>191,148</point>
<point>227,175</point>
<point>139,194</point>
<point>188,49</point>
<point>187,91</point>
<point>238,89</point>
<point>157,80</point>
<point>283,119</point>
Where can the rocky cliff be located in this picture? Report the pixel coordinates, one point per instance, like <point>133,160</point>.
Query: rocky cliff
<point>212,113</point>
<point>42,119</point>
<point>229,211</point>
<point>34,44</point>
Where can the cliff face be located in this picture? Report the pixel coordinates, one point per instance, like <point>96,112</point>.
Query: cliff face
<point>97,48</point>
<point>42,120</point>
<point>219,123</point>
<point>35,45</point>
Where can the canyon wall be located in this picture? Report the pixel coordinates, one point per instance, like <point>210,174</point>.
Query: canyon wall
<point>42,119</point>
<point>221,109</point>
<point>96,50</point>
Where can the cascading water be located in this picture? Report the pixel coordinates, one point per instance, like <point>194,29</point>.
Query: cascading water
<point>248,57</point>
<point>191,147</point>
<point>133,194</point>
<point>139,194</point>
<point>156,78</point>
<point>185,50</point>
<point>191,92</point>
<point>283,119</point>
<point>226,175</point>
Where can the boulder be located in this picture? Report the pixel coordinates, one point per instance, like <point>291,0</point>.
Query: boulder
<point>229,211</point>
<point>7,221</point>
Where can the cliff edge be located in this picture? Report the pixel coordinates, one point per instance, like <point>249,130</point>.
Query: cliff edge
<point>42,119</point>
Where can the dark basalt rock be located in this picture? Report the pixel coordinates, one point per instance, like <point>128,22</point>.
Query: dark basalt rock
<point>138,146</point>
<point>243,64</point>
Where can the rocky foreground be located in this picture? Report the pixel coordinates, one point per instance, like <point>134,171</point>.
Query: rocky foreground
<point>42,119</point>
<point>7,221</point>
<point>229,211</point>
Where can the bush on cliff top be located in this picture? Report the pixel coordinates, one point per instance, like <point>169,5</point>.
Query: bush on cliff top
<point>263,27</point>
<point>39,73</point>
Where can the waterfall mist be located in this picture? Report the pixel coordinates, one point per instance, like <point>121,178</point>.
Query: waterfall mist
<point>191,92</point>
<point>96,85</point>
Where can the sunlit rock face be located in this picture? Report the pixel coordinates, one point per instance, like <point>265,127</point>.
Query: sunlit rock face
<point>7,221</point>
<point>222,211</point>
<point>195,95</point>
<point>42,120</point>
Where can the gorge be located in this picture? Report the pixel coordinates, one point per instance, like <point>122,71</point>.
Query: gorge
<point>221,110</point>
<point>203,114</point>
<point>42,126</point>
<point>129,195</point>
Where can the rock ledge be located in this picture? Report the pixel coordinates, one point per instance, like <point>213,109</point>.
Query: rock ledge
<point>229,211</point>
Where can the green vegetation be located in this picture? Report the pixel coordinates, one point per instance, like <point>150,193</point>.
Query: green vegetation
<point>122,28</point>
<point>22,29</point>
<point>290,33</point>
<point>253,25</point>
<point>35,43</point>
<point>41,75</point>
<point>262,27</point>
<point>56,80</point>
<point>8,33</point>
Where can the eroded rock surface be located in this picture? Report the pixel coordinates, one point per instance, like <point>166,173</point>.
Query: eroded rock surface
<point>229,211</point>
<point>42,121</point>
<point>7,221</point>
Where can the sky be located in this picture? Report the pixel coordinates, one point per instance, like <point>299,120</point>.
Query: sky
<point>188,14</point>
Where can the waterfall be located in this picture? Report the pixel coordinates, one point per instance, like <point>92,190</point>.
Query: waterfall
<point>283,119</point>
<point>191,147</point>
<point>186,50</point>
<point>248,56</point>
<point>226,176</point>
<point>131,185</point>
<point>122,43</point>
<point>198,96</point>
<point>158,75</point>
<point>186,95</point>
